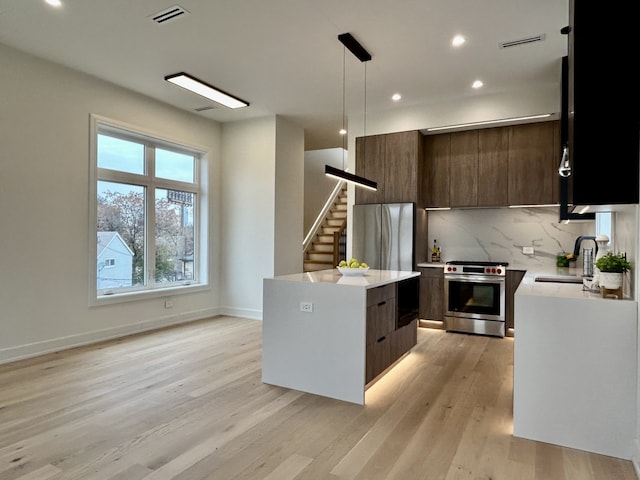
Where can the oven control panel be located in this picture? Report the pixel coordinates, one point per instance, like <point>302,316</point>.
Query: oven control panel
<point>497,270</point>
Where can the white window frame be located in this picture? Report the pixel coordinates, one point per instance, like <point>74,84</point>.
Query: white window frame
<point>99,124</point>
<point>109,262</point>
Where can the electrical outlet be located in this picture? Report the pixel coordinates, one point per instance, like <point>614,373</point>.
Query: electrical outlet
<point>306,307</point>
<point>528,250</point>
<point>168,303</point>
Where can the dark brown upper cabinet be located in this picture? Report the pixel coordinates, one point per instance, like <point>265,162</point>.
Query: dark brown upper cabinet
<point>393,160</point>
<point>463,170</point>
<point>493,167</point>
<point>533,163</point>
<point>493,164</point>
<point>437,152</point>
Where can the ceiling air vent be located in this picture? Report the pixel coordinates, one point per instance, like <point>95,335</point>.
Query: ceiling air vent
<point>169,15</point>
<point>204,109</point>
<point>522,41</point>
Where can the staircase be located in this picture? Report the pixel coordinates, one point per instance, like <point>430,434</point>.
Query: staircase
<point>324,249</point>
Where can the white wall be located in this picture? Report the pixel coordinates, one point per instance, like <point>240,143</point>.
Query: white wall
<point>44,189</point>
<point>289,198</point>
<point>262,167</point>
<point>248,201</point>
<point>317,186</point>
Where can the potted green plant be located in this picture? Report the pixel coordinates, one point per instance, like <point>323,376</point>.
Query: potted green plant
<point>612,267</point>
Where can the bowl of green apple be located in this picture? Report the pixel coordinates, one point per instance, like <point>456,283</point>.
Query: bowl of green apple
<point>352,268</point>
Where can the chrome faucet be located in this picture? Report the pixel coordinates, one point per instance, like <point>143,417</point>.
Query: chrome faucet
<point>579,240</point>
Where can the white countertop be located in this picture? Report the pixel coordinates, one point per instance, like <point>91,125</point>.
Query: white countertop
<point>530,287</point>
<point>371,279</point>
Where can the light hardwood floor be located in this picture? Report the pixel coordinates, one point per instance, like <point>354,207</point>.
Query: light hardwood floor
<point>187,403</point>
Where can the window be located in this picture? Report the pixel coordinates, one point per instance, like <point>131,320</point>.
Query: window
<point>604,226</point>
<point>147,216</point>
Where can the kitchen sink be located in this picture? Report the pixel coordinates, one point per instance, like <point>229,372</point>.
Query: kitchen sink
<point>559,278</point>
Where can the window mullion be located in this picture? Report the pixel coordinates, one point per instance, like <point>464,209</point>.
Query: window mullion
<point>150,258</point>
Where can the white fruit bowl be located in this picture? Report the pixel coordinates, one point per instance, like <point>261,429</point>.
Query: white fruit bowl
<point>352,272</point>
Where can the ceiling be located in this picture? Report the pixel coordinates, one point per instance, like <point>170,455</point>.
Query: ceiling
<point>283,56</point>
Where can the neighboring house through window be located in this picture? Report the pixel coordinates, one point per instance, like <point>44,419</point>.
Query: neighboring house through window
<point>147,212</point>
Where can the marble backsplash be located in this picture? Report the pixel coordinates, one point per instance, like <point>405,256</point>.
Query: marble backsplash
<point>499,234</point>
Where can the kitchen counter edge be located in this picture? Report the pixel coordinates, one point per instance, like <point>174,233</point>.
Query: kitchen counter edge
<point>371,279</point>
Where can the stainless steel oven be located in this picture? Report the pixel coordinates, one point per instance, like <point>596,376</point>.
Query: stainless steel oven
<point>475,297</point>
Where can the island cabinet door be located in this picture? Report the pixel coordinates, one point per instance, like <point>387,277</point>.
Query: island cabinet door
<point>381,319</point>
<point>403,340</point>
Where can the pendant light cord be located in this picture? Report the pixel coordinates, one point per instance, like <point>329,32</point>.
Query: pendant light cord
<point>344,135</point>
<point>364,123</point>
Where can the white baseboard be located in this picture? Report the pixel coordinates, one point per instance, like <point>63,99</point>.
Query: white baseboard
<point>21,352</point>
<point>241,312</point>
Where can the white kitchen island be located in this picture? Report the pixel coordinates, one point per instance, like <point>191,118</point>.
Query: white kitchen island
<point>315,330</point>
<point>575,368</point>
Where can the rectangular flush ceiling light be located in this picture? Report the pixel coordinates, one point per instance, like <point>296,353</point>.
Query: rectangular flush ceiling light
<point>194,85</point>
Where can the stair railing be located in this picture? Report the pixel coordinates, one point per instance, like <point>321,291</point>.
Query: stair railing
<point>338,248</point>
<point>321,216</point>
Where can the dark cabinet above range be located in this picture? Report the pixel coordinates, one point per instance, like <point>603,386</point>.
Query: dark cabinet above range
<point>493,167</point>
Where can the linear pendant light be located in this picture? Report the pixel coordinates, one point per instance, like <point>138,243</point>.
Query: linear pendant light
<point>338,174</point>
<point>195,85</point>
<point>361,54</point>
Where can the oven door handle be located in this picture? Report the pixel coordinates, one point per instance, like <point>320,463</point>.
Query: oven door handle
<point>476,278</point>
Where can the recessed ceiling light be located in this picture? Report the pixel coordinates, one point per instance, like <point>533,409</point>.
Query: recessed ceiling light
<point>458,40</point>
<point>396,97</point>
<point>477,84</point>
<point>54,3</point>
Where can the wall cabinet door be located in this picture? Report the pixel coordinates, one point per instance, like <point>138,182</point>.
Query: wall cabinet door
<point>436,186</point>
<point>493,165</point>
<point>395,162</point>
<point>370,164</point>
<point>403,153</point>
<point>533,163</point>
<point>463,169</point>
<point>432,293</point>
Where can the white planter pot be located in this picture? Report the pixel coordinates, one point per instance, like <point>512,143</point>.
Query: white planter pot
<point>611,280</point>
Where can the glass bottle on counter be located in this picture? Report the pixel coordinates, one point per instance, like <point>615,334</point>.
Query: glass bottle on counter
<point>435,252</point>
